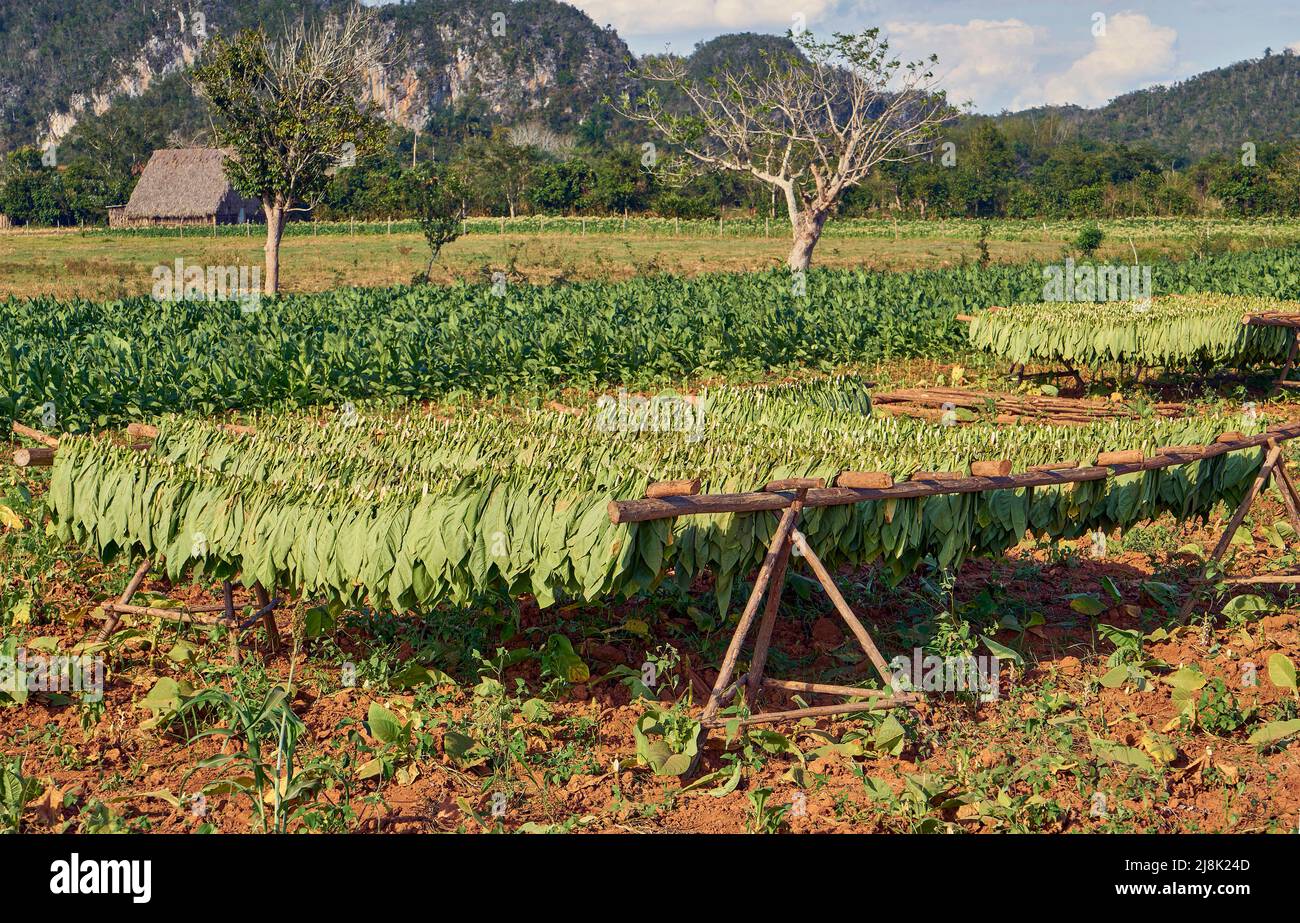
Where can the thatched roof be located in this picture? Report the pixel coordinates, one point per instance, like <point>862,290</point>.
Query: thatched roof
<point>185,183</point>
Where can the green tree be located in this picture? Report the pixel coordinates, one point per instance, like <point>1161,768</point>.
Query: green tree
<point>438,202</point>
<point>32,192</point>
<point>290,109</point>
<point>558,187</point>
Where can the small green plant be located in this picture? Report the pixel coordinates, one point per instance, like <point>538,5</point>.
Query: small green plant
<point>16,792</point>
<point>765,817</point>
<point>982,245</point>
<point>1089,239</point>
<point>264,730</point>
<point>1216,709</point>
<point>1129,664</point>
<point>667,740</point>
<point>394,751</point>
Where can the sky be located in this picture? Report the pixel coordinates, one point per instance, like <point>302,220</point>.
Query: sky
<point>996,54</point>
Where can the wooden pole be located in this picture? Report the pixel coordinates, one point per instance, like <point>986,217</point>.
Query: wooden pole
<point>1270,461</point>
<point>761,583</point>
<point>114,617</point>
<point>228,604</point>
<point>842,607</point>
<point>268,616</point>
<point>645,510</point>
<point>764,640</point>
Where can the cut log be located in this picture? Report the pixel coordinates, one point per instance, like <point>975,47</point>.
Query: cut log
<point>864,479</point>
<point>680,488</point>
<point>40,457</point>
<point>143,430</point>
<point>1125,457</point>
<point>936,476</point>
<point>998,468</point>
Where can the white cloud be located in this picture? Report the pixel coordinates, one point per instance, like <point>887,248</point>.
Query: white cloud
<point>984,61</point>
<point>637,18</point>
<point>1132,53</point>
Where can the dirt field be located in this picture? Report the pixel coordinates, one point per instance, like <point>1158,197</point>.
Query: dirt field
<point>487,740</point>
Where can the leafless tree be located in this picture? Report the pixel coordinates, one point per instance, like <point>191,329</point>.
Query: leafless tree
<point>542,137</point>
<point>812,122</point>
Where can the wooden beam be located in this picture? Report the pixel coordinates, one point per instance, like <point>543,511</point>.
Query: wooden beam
<point>621,511</point>
<point>35,435</point>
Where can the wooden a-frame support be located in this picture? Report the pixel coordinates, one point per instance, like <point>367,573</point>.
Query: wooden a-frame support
<point>221,613</point>
<point>770,580</point>
<point>1274,466</point>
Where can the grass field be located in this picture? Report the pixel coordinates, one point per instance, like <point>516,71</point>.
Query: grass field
<point>104,264</point>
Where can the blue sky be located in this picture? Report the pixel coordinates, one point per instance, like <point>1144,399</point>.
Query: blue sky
<point>997,54</point>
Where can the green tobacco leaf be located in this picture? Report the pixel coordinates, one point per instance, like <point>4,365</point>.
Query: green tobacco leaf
<point>1086,604</point>
<point>1002,652</point>
<point>384,726</point>
<point>1121,755</point>
<point>1275,732</point>
<point>1281,670</point>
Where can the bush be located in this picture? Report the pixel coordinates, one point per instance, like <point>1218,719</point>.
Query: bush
<point>1089,239</point>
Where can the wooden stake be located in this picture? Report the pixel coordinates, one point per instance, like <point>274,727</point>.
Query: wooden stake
<point>761,583</point>
<point>115,618</point>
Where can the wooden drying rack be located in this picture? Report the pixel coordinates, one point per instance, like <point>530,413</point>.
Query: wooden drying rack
<point>669,499</point>
<point>1017,370</point>
<point>222,613</point>
<point>1291,323</point>
<point>931,403</point>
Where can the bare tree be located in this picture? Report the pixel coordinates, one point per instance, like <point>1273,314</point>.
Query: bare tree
<point>291,109</point>
<point>543,137</point>
<point>811,123</point>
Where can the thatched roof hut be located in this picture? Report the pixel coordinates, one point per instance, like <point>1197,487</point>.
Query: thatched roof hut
<point>187,186</point>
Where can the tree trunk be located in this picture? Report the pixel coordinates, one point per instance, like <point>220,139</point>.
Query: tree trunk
<point>275,215</point>
<point>807,232</point>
